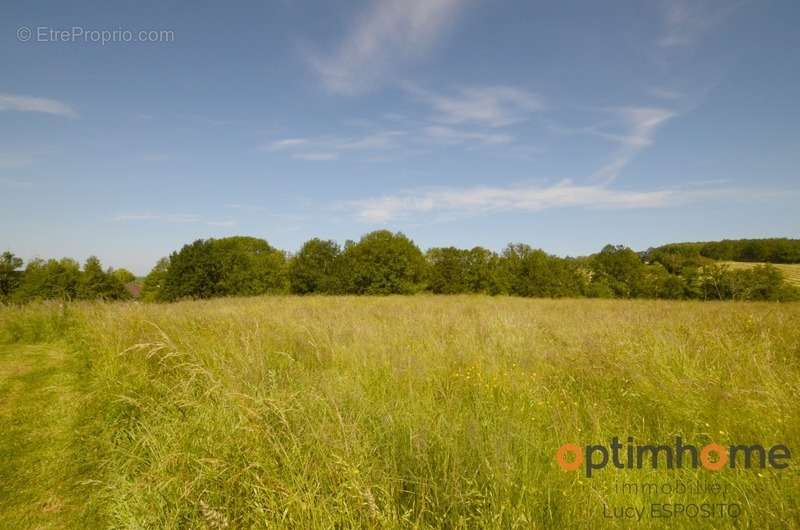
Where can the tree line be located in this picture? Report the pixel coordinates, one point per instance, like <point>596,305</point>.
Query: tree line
<point>772,250</point>
<point>62,279</point>
<point>383,262</point>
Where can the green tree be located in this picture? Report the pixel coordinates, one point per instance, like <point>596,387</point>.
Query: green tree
<point>762,282</point>
<point>620,268</point>
<point>316,268</point>
<point>10,276</point>
<point>232,266</point>
<point>95,283</point>
<point>656,282</point>
<point>447,270</point>
<point>154,282</point>
<point>482,271</point>
<point>49,280</point>
<point>716,282</point>
<point>678,258</point>
<point>383,263</point>
<point>123,275</point>
<point>533,272</point>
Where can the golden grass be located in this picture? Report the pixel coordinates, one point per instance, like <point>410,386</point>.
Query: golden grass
<point>422,412</point>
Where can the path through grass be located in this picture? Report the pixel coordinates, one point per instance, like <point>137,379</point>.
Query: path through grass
<point>38,407</point>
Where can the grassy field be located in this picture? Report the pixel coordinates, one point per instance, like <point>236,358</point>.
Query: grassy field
<point>410,412</point>
<point>791,271</point>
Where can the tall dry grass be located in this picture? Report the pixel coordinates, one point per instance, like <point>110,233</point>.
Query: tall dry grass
<point>420,412</point>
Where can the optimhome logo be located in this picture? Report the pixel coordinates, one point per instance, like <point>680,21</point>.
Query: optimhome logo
<point>712,457</point>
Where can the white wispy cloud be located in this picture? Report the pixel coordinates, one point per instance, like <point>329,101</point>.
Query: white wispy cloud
<point>377,140</point>
<point>8,160</point>
<point>288,143</point>
<point>641,124</point>
<point>315,156</point>
<point>492,106</point>
<point>390,32</point>
<point>471,201</point>
<point>177,218</point>
<point>34,104</point>
<point>685,21</point>
<point>331,147</point>
<point>421,137</point>
<point>664,93</point>
<point>15,183</point>
<point>170,217</point>
<point>632,128</point>
<point>449,135</point>
<point>529,198</point>
<point>155,157</point>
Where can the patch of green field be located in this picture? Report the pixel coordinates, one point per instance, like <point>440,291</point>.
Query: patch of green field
<point>410,412</point>
<point>791,271</point>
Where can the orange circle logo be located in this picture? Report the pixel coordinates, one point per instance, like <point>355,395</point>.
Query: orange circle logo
<point>561,455</point>
<point>722,457</point>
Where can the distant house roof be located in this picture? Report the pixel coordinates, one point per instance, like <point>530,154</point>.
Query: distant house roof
<point>135,288</point>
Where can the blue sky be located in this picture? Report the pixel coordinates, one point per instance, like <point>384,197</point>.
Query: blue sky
<point>566,125</point>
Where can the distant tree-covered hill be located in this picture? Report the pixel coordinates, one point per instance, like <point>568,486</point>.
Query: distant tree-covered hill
<point>772,250</point>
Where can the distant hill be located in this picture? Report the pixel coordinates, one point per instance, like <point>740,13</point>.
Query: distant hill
<point>772,250</point>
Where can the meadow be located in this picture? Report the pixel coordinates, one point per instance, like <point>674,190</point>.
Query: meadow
<point>389,412</point>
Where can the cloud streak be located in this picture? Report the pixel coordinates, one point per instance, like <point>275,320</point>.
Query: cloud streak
<point>174,218</point>
<point>15,184</point>
<point>531,198</point>
<point>13,161</point>
<point>330,148</point>
<point>478,200</point>
<point>638,126</point>
<point>633,129</point>
<point>10,102</point>
<point>641,125</point>
<point>449,135</point>
<point>171,217</point>
<point>492,106</point>
<point>391,32</point>
<point>685,21</point>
